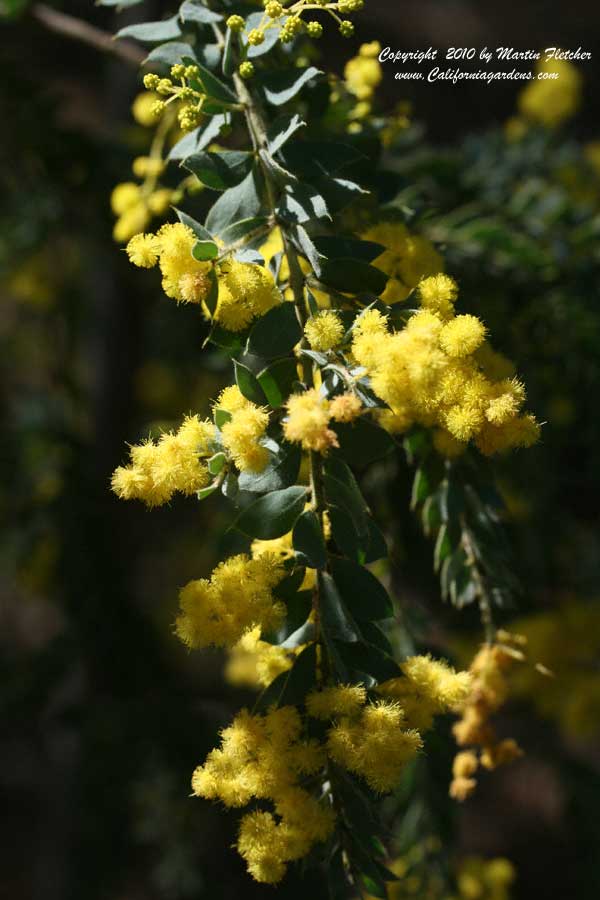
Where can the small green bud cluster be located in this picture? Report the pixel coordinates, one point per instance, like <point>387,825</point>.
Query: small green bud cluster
<point>190,111</point>
<point>256,37</point>
<point>236,23</point>
<point>273,9</point>
<point>246,70</point>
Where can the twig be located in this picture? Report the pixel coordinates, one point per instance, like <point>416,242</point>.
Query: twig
<point>78,30</point>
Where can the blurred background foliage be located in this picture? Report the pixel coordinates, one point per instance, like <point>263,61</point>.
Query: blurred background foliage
<point>104,715</point>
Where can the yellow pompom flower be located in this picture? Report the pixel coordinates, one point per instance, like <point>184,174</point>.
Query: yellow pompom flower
<point>462,336</point>
<point>429,688</point>
<point>336,700</point>
<point>237,598</point>
<point>437,293</point>
<point>324,330</point>
<point>345,408</point>
<point>142,251</point>
<point>241,437</point>
<point>307,422</point>
<point>376,745</point>
<point>172,464</point>
<point>406,260</point>
<point>255,663</point>
<point>246,291</point>
<point>231,399</point>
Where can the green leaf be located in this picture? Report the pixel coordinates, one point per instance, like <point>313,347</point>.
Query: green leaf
<point>348,498</point>
<point>271,36</point>
<point>352,276</point>
<point>374,886</point>
<point>196,11</point>
<point>248,384</point>
<point>212,298</point>
<point>278,380</point>
<point>421,488</point>
<point>307,538</point>
<point>228,63</point>
<point>371,660</point>
<point>221,170</point>
<point>288,589</point>
<point>198,139</point>
<point>239,230</point>
<point>276,333</point>
<point>311,159</point>
<point>362,549</point>
<point>291,687</point>
<point>282,86</point>
<point>205,250</point>
<point>199,230</point>
<point>443,547</point>
<point>335,617</point>
<point>305,245</point>
<point>221,417</point>
<point>212,85</point>
<point>282,129</point>
<point>169,54</point>
<point>362,442</point>
<point>230,487</point>
<point>239,202</point>
<point>203,493</point>
<point>282,472</point>
<point>301,635</point>
<point>302,203</point>
<point>344,247</point>
<point>273,515</point>
<point>363,594</point>
<point>373,634</point>
<point>216,463</point>
<point>152,32</point>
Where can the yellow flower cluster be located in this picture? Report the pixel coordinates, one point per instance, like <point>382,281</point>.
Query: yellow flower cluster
<point>174,463</point>
<point>550,101</point>
<point>245,290</point>
<point>263,757</point>
<point>309,416</point>
<point>324,331</point>
<point>184,278</point>
<point>438,371</point>
<point>363,73</point>
<point>406,260</point>
<point>241,436</point>
<point>254,663</point>
<point>430,687</point>
<point>569,637</point>
<point>135,205</point>
<point>375,743</point>
<point>237,598</point>
<point>490,686</point>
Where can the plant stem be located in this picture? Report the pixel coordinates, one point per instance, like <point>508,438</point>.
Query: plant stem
<point>258,132</point>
